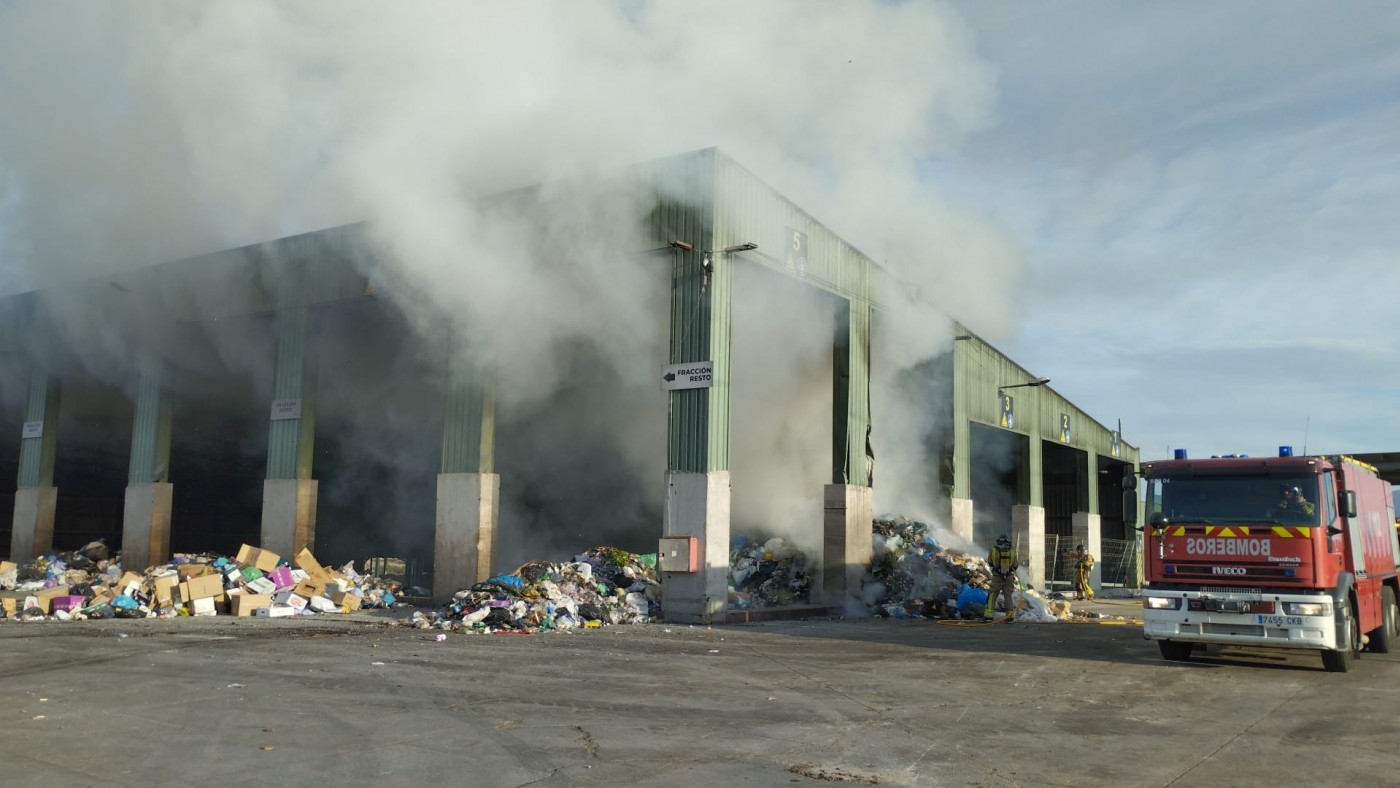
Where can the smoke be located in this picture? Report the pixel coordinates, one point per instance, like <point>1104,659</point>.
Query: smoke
<point>136,133</point>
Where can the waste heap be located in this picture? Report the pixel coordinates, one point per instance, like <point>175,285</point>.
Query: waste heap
<point>912,575</point>
<point>767,573</point>
<point>88,584</point>
<point>602,586</point>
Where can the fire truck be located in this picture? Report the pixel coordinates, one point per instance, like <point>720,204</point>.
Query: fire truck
<point>1288,551</point>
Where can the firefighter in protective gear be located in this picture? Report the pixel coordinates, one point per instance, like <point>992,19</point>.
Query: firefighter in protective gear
<point>1292,506</point>
<point>1002,560</point>
<point>1083,568</point>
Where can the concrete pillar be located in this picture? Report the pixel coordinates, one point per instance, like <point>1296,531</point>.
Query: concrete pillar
<point>1028,536</point>
<point>468,489</point>
<point>32,535</point>
<point>847,543</point>
<point>961,520</point>
<point>1087,531</point>
<point>464,537</point>
<point>289,491</point>
<point>146,524</point>
<point>697,504</point>
<point>149,495</point>
<point>289,515</point>
<point>36,499</point>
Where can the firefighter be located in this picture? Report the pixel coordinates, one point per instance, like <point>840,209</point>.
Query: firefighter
<point>1292,505</point>
<point>1003,563</point>
<point>1083,568</point>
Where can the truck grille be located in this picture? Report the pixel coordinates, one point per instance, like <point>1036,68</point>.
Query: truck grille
<point>1254,630</point>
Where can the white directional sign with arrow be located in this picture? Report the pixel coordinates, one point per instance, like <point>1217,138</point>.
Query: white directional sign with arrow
<point>692,375</point>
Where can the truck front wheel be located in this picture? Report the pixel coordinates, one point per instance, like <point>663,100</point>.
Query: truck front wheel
<point>1387,636</point>
<point>1173,651</point>
<point>1342,660</point>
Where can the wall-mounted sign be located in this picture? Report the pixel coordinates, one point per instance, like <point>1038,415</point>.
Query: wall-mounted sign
<point>796,262</point>
<point>1115,443</point>
<point>286,409</point>
<point>694,375</point>
<point>1065,433</point>
<point>1008,411</point>
<point>33,429</point>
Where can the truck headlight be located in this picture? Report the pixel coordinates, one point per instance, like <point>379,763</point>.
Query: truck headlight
<point>1162,602</point>
<point>1307,608</point>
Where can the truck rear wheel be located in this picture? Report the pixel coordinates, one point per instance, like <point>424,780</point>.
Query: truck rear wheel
<point>1387,636</point>
<point>1343,659</point>
<point>1173,651</point>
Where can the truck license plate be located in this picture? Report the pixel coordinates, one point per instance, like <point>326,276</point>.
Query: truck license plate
<point>1282,621</point>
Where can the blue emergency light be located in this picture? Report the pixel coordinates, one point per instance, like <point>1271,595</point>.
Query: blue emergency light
<point>1179,454</point>
<point>1285,451</point>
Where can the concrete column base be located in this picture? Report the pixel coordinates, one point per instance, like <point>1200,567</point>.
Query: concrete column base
<point>32,533</point>
<point>464,539</point>
<point>1028,536</point>
<point>961,518</point>
<point>697,504</point>
<point>1087,532</point>
<point>289,515</point>
<point>847,544</point>
<point>146,525</point>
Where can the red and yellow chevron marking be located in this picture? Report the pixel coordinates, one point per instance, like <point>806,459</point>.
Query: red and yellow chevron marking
<point>1235,531</point>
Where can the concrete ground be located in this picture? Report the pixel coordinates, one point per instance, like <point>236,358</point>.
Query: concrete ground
<point>349,699</point>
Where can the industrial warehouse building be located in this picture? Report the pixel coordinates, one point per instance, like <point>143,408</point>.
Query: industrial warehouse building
<point>317,391</point>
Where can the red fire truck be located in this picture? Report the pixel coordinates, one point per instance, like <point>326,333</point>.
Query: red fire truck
<point>1294,552</point>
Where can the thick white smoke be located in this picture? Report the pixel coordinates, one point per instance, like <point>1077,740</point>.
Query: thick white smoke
<point>138,132</point>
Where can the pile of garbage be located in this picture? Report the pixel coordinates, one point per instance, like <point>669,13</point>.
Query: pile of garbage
<point>913,576</point>
<point>89,584</point>
<point>767,573</point>
<point>602,586</point>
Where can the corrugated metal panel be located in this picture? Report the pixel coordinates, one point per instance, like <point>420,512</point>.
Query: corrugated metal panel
<point>36,455</point>
<point>150,430</point>
<point>468,428</point>
<point>289,443</point>
<point>748,210</point>
<point>984,369</point>
<point>320,267</point>
<point>858,405</point>
<point>683,186</point>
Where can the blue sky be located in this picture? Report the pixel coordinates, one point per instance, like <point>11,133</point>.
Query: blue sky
<point>1205,195</point>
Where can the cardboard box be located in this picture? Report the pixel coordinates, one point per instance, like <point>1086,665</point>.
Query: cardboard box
<point>264,560</point>
<point>307,562</point>
<point>281,577</point>
<point>10,604</point>
<point>347,601</point>
<point>309,589</point>
<point>46,596</point>
<point>6,566</point>
<point>192,570</point>
<point>69,603</point>
<point>163,589</point>
<point>275,611</point>
<point>246,604</point>
<point>297,603</point>
<point>205,587</point>
<point>261,586</point>
<point>203,607</point>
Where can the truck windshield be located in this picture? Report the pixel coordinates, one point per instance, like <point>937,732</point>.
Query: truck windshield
<point>1235,499</point>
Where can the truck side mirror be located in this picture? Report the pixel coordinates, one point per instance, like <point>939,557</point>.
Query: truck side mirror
<point>1130,500</point>
<point>1346,503</point>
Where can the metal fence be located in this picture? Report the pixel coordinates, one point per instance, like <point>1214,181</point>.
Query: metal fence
<point>1117,561</point>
